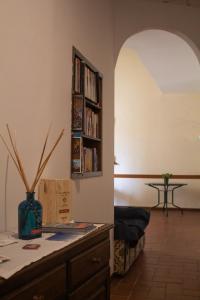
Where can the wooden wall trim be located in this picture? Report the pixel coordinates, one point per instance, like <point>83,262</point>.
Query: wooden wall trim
<point>155,176</point>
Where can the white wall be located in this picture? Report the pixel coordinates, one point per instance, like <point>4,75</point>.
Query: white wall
<point>155,133</point>
<point>35,89</point>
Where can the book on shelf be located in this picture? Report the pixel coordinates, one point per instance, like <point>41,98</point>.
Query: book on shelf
<point>77,75</point>
<point>99,89</point>
<point>71,227</point>
<point>77,134</point>
<point>90,84</point>
<point>76,154</point>
<point>90,159</point>
<point>87,157</point>
<point>77,113</point>
<point>76,165</point>
<point>95,160</point>
<point>91,123</point>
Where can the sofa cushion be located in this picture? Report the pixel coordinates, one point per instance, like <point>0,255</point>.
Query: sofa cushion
<point>130,212</point>
<point>139,223</point>
<point>122,231</point>
<point>130,223</point>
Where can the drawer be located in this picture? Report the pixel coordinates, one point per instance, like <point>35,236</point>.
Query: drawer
<point>51,286</point>
<point>83,266</point>
<point>96,288</point>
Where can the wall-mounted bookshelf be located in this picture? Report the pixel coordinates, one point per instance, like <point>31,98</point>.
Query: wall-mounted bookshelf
<point>86,144</point>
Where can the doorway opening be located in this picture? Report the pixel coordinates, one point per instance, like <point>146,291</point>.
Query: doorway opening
<point>157,115</point>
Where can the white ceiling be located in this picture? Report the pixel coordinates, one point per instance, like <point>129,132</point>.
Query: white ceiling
<point>169,58</point>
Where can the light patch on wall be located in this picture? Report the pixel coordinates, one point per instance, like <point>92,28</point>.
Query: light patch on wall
<point>170,60</point>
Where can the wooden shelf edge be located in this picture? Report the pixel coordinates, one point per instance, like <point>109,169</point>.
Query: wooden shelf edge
<point>86,175</point>
<point>155,176</point>
<point>91,138</point>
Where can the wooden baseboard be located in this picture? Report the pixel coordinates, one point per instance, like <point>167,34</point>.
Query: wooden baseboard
<point>172,208</point>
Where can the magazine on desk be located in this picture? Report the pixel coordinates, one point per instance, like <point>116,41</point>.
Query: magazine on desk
<point>72,227</point>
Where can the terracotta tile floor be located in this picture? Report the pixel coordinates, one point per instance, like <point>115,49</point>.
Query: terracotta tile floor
<point>169,267</point>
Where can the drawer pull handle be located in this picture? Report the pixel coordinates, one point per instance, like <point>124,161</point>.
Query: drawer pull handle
<point>96,260</point>
<point>38,297</point>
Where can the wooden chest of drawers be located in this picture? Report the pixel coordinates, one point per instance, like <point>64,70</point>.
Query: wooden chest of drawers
<point>79,271</point>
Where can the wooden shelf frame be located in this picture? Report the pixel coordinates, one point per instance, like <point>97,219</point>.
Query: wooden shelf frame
<point>87,116</point>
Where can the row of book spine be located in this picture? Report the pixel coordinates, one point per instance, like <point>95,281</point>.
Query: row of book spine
<point>84,159</point>
<point>77,115</point>
<point>90,160</point>
<point>90,84</point>
<point>77,75</point>
<point>91,123</point>
<point>76,154</point>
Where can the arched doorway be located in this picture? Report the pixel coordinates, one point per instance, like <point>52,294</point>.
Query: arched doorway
<point>157,114</point>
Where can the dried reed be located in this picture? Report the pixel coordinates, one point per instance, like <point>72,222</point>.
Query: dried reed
<point>18,162</point>
<point>41,169</point>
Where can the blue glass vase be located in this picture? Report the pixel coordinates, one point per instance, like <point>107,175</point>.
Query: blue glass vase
<point>29,218</point>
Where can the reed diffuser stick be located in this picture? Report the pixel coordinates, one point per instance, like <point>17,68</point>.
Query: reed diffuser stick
<point>18,160</point>
<point>39,173</point>
<point>43,150</point>
<point>41,157</point>
<point>9,151</point>
<point>5,195</point>
<point>14,160</point>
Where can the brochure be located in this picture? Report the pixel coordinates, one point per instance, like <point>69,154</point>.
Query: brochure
<point>62,236</point>
<point>72,227</point>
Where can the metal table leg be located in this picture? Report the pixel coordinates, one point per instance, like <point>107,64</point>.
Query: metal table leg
<point>173,201</point>
<point>166,200</point>
<point>158,198</point>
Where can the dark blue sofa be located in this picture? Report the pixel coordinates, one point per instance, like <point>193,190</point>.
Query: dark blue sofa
<point>129,235</point>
